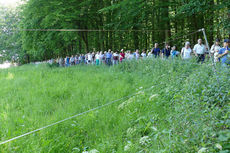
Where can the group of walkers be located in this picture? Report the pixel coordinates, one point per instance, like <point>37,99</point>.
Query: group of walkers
<point>219,54</point>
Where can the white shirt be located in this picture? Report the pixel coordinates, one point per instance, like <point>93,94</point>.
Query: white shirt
<point>214,48</point>
<point>115,54</point>
<point>143,54</point>
<point>72,59</point>
<point>137,56</point>
<point>90,57</point>
<point>131,56</point>
<point>199,49</point>
<point>97,56</point>
<point>186,53</point>
<point>101,56</point>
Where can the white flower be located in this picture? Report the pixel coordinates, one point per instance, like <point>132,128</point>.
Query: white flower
<point>153,96</point>
<point>202,150</point>
<point>94,151</point>
<point>125,103</point>
<point>76,149</point>
<point>85,152</point>
<point>218,146</point>
<point>140,93</point>
<point>141,88</point>
<point>145,140</point>
<point>128,146</point>
<point>154,128</point>
<point>131,131</point>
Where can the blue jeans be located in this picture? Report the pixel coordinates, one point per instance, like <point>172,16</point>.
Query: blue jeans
<point>108,61</point>
<point>200,58</point>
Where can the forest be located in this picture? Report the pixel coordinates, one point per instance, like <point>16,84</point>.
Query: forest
<point>106,24</point>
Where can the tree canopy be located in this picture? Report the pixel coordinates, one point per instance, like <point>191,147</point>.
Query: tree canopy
<point>129,24</point>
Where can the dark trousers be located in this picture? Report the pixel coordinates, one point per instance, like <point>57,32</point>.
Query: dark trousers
<point>108,61</point>
<point>200,58</point>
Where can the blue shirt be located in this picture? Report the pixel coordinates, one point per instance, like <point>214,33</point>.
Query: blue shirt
<point>156,51</point>
<point>108,55</point>
<point>225,58</point>
<point>174,53</point>
<point>166,52</point>
<point>67,60</point>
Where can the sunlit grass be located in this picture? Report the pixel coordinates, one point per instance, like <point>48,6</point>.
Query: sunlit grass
<point>34,96</point>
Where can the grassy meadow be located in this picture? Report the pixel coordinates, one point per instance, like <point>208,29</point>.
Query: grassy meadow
<point>183,110</point>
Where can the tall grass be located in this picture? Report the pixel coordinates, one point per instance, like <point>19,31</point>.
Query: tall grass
<point>184,111</point>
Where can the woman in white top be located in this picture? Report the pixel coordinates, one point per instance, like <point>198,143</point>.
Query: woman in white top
<point>215,46</point>
<point>130,55</point>
<point>90,58</point>
<point>186,51</point>
<point>143,54</point>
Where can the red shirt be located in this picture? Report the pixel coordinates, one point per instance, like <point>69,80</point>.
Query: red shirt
<point>122,56</point>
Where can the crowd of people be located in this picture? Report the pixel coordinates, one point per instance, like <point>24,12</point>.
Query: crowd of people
<point>219,54</point>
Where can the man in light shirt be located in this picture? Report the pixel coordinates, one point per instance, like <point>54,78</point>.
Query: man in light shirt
<point>199,50</point>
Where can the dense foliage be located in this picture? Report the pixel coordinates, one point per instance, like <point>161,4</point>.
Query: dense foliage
<point>185,110</point>
<point>155,20</point>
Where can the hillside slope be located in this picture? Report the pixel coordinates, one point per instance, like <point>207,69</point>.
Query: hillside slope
<point>179,107</point>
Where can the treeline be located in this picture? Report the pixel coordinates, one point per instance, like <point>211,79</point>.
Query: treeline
<point>129,24</point>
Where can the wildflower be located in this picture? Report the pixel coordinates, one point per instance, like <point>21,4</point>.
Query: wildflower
<point>131,131</point>
<point>145,140</point>
<point>153,96</point>
<point>202,150</point>
<point>76,149</point>
<point>93,151</point>
<point>218,146</point>
<point>154,128</point>
<point>128,146</point>
<point>125,103</point>
<point>141,93</point>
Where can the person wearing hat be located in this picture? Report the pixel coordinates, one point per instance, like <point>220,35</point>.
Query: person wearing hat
<point>224,53</point>
<point>215,46</point>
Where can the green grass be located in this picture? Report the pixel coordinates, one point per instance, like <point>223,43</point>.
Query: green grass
<point>185,110</point>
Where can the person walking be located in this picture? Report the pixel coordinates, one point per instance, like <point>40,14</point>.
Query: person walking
<point>215,47</point>
<point>67,61</point>
<point>143,54</point>
<point>166,51</point>
<point>224,53</point>
<point>156,50</point>
<point>90,58</point>
<point>72,60</point>
<point>199,51</point>
<point>115,58</point>
<point>186,52</point>
<point>108,58</point>
<point>97,56</point>
<point>122,55</point>
<point>137,55</point>
<point>174,52</point>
